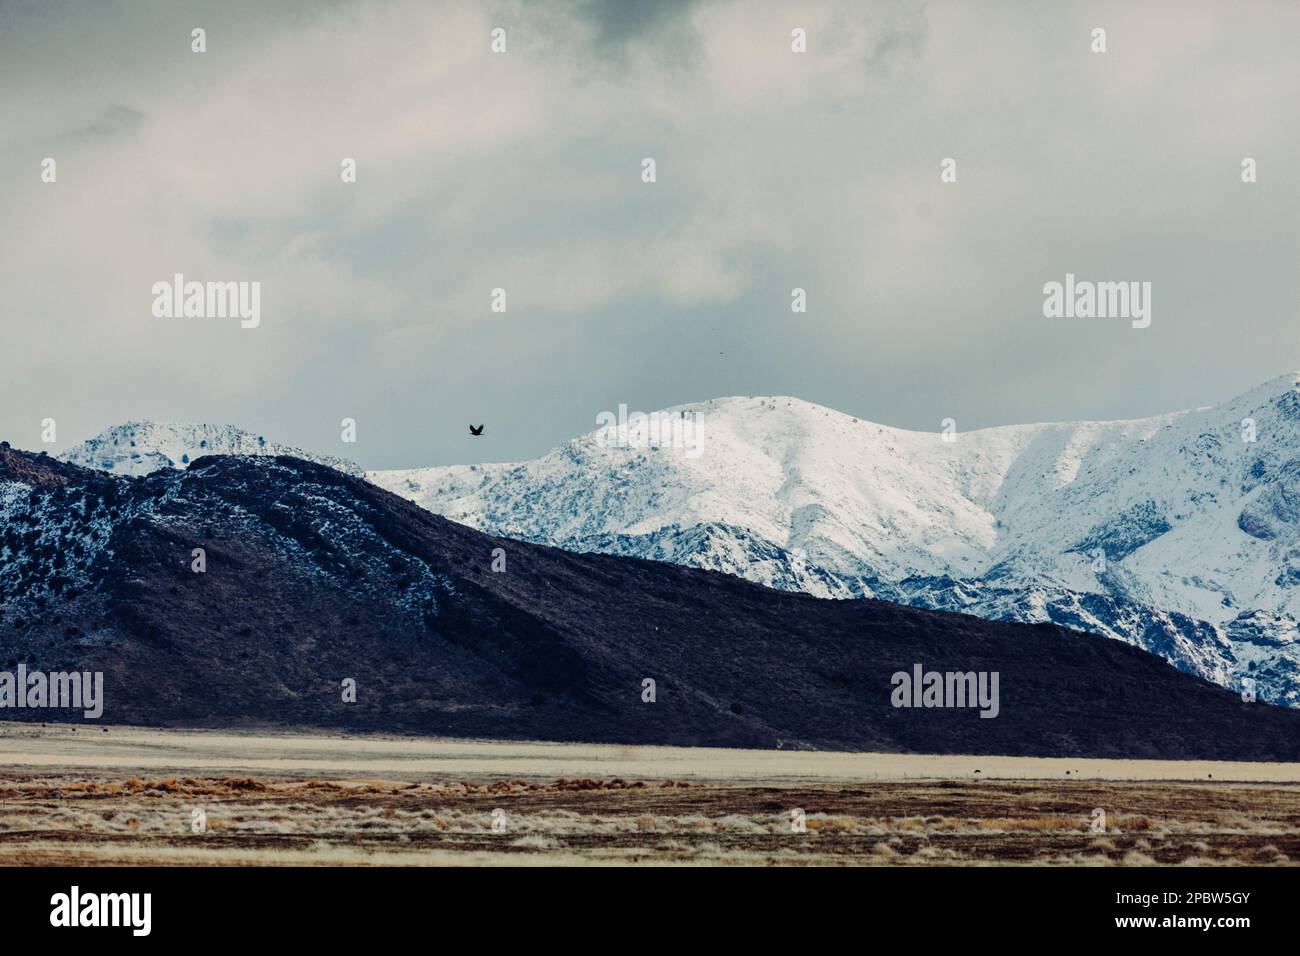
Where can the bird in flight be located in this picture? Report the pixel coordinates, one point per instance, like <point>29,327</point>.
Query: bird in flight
<point>476,431</point>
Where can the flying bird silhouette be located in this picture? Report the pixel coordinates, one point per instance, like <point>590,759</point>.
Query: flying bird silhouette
<point>476,431</point>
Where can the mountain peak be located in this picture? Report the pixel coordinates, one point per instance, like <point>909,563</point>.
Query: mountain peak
<point>1159,531</point>
<point>143,447</point>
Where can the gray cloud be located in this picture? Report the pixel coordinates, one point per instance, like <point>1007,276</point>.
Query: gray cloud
<point>116,120</point>
<point>620,23</point>
<point>522,171</point>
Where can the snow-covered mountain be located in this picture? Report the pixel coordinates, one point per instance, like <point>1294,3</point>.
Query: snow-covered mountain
<point>1179,533</point>
<point>312,574</point>
<point>140,448</point>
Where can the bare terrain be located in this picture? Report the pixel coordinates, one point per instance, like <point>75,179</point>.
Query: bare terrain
<point>129,796</point>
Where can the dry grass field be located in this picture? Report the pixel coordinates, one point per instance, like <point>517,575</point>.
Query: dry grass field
<point>130,796</point>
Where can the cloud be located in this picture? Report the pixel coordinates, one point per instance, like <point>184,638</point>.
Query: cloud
<point>617,24</point>
<point>116,120</point>
<point>522,171</point>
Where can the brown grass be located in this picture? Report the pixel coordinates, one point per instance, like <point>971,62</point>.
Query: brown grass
<point>91,816</point>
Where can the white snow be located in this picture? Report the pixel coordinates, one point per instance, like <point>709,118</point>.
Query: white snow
<point>904,503</point>
<point>1025,508</point>
<point>139,448</point>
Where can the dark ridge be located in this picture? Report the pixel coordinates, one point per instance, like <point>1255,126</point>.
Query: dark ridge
<point>314,576</point>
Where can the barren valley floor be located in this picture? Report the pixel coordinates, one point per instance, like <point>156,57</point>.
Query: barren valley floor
<point>133,796</point>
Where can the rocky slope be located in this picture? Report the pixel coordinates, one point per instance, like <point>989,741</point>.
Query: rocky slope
<point>314,577</point>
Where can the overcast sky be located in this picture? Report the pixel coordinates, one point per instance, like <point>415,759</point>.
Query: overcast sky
<point>522,170</point>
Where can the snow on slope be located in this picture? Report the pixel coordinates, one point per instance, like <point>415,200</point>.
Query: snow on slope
<point>793,473</point>
<point>139,448</point>
<point>860,498</point>
<point>1170,532</point>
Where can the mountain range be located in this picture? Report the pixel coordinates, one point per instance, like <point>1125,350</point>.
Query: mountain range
<point>1179,534</point>
<point>313,578</point>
